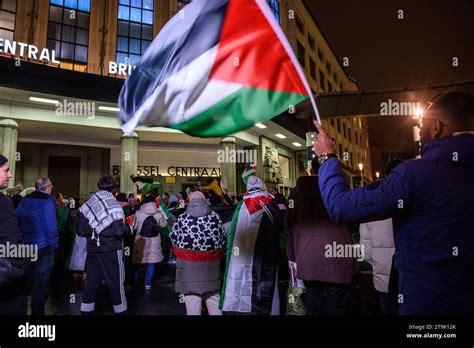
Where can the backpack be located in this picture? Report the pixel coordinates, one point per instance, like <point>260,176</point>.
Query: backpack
<point>149,228</point>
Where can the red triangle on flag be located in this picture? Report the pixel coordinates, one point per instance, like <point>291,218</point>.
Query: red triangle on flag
<point>250,52</point>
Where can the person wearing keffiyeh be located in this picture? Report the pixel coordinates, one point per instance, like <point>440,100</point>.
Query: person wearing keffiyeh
<point>102,222</point>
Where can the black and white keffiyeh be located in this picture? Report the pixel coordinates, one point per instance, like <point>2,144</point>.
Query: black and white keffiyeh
<point>101,209</point>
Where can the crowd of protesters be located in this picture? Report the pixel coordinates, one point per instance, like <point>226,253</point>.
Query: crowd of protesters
<point>259,253</point>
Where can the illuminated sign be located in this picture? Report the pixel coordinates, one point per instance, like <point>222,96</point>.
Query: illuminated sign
<point>173,171</point>
<point>123,69</point>
<point>27,51</point>
<point>193,171</point>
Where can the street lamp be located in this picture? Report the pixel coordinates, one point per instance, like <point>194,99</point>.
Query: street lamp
<point>361,167</point>
<point>377,174</point>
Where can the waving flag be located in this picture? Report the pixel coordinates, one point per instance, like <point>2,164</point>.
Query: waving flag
<point>250,170</point>
<point>216,68</point>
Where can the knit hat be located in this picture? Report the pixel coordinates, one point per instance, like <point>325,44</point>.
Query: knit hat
<point>173,199</point>
<point>3,160</point>
<point>254,183</point>
<point>196,195</point>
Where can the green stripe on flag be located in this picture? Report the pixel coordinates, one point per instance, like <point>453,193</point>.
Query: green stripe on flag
<point>239,111</point>
<point>230,244</point>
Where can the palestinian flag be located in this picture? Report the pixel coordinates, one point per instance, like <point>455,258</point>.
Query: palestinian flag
<point>167,229</point>
<point>250,170</point>
<point>131,221</point>
<point>145,185</point>
<point>250,280</point>
<point>216,68</point>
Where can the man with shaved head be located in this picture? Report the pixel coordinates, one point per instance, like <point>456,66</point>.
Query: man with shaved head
<point>431,203</point>
<point>37,217</point>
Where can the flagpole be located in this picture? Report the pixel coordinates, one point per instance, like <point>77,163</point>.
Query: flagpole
<point>315,108</point>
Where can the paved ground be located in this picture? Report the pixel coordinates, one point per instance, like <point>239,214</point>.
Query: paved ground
<point>66,294</point>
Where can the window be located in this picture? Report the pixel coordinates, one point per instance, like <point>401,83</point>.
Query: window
<point>340,87</point>
<point>338,122</point>
<point>284,166</point>
<point>328,68</point>
<point>7,19</point>
<point>312,68</point>
<point>357,138</point>
<point>330,90</point>
<point>320,55</point>
<point>331,121</point>
<point>275,9</point>
<point>135,29</point>
<point>68,32</point>
<point>322,80</point>
<point>344,130</point>
<point>340,151</point>
<point>299,24</point>
<point>311,42</point>
<point>182,3</point>
<point>352,162</point>
<point>301,54</point>
<point>349,133</point>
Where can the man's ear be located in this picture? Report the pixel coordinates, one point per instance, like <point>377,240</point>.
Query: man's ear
<point>438,129</point>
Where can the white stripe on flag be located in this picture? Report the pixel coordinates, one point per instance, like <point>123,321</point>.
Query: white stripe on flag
<point>184,95</point>
<point>239,284</point>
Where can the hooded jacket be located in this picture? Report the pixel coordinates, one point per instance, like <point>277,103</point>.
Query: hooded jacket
<point>148,249</point>
<point>309,231</point>
<point>37,220</point>
<point>431,201</point>
<point>198,235</point>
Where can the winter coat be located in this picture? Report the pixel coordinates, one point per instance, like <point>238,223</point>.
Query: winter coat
<point>377,240</point>
<point>10,234</point>
<point>37,219</point>
<point>198,239</point>
<point>431,202</point>
<point>309,233</point>
<point>148,249</point>
<point>197,233</point>
<point>110,238</point>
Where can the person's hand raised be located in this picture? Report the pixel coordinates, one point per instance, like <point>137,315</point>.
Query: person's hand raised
<point>323,143</point>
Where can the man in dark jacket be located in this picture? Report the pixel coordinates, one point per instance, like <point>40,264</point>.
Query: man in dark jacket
<point>431,201</point>
<point>13,292</point>
<point>102,222</point>
<point>309,236</point>
<point>37,218</point>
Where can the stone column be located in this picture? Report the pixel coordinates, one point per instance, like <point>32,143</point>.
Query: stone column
<point>8,144</point>
<point>129,162</point>
<point>228,167</point>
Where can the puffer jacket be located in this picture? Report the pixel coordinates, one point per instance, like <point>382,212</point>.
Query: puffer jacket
<point>198,234</point>
<point>378,247</point>
<point>148,249</point>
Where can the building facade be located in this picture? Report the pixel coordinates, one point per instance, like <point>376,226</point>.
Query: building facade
<point>63,64</point>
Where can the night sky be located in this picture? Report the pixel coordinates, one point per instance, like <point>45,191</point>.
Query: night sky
<point>386,52</point>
